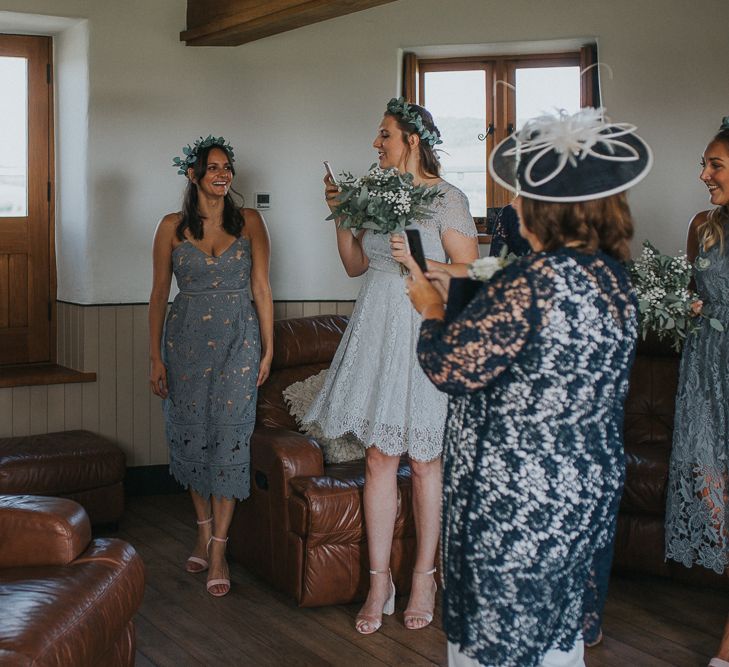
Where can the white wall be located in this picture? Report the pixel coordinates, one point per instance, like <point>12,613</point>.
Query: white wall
<point>290,101</point>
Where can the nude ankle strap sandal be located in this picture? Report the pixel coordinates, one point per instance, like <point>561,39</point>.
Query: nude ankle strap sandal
<point>218,582</point>
<point>367,624</point>
<point>195,564</point>
<point>410,616</point>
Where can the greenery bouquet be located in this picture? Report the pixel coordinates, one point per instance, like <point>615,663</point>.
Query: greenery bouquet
<point>383,200</point>
<point>664,298</point>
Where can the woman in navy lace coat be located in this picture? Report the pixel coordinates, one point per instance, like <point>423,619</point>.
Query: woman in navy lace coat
<point>536,366</point>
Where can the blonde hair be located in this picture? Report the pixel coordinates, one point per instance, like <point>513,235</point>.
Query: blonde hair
<point>711,230</point>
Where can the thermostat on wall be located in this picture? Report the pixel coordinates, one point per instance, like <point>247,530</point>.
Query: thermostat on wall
<point>262,200</point>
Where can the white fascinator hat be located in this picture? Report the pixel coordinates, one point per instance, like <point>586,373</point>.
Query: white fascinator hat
<point>571,157</point>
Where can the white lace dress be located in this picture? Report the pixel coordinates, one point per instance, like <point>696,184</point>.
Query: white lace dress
<point>375,388</point>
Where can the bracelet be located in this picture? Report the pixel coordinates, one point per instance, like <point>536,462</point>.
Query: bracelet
<point>439,316</point>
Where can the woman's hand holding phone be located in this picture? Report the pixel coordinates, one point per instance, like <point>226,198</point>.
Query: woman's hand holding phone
<point>331,189</point>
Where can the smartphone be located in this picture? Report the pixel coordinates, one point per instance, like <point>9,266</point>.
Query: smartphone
<point>416,248</point>
<point>330,171</point>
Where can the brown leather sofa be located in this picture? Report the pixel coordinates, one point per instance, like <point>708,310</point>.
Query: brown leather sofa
<point>65,599</point>
<point>302,529</point>
<point>649,411</point>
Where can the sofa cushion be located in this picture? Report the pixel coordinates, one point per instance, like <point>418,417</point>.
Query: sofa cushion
<point>59,463</point>
<point>39,531</point>
<point>646,478</point>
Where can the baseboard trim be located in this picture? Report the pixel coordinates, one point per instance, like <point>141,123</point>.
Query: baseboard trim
<point>150,481</point>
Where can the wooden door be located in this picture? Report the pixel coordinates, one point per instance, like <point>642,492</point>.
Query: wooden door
<point>25,200</point>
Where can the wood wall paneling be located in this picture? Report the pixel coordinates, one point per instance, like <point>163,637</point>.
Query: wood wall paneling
<point>56,418</point>
<point>140,387</point>
<point>111,341</point>
<point>21,410</point>
<point>38,409</point>
<point>90,362</point>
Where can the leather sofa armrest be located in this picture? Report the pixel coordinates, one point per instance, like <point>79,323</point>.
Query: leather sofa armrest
<point>41,531</point>
<point>278,455</point>
<point>326,510</point>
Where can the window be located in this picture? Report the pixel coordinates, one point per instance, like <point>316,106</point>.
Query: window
<point>26,252</point>
<point>478,101</point>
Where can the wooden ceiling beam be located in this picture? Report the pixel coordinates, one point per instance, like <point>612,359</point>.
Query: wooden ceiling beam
<point>234,22</point>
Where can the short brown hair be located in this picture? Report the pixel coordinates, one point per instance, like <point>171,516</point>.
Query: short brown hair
<point>600,224</point>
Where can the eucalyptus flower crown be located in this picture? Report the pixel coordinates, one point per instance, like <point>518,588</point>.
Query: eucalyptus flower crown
<point>191,152</point>
<point>724,124</point>
<point>399,107</point>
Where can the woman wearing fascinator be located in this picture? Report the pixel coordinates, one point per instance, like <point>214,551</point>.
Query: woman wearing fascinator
<point>374,388</point>
<point>536,367</point>
<point>697,530</point>
<point>213,350</point>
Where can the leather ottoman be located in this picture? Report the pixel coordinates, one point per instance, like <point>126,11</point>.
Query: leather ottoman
<point>79,465</point>
<point>65,600</point>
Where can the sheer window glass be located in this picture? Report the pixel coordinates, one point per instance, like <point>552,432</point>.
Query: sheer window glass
<point>13,137</point>
<point>542,90</point>
<point>457,101</point>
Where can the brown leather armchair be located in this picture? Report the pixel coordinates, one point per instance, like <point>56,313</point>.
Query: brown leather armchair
<point>302,529</point>
<point>65,599</point>
<point>649,412</point>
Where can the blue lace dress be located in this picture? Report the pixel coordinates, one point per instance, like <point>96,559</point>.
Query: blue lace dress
<point>537,371</point>
<point>212,350</point>
<point>375,388</point>
<point>696,508</point>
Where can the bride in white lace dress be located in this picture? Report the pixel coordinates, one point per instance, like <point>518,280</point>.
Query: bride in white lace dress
<point>375,388</point>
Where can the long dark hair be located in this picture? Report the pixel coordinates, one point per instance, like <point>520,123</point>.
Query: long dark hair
<point>601,224</point>
<point>429,162</point>
<point>191,218</point>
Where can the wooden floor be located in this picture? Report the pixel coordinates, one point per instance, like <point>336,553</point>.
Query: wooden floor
<point>648,622</point>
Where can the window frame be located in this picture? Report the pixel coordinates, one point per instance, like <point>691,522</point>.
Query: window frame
<point>500,99</point>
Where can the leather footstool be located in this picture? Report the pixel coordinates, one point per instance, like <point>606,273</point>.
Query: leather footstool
<point>79,465</point>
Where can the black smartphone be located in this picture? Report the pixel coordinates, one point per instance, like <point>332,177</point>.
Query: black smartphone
<point>416,248</point>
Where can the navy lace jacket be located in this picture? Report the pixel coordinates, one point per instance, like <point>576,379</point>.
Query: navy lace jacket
<point>537,371</point>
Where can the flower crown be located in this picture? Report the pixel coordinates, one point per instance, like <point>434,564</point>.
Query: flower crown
<point>190,153</point>
<point>399,107</point>
<point>724,124</point>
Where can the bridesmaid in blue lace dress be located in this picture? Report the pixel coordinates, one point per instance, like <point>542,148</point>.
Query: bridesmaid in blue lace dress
<point>536,366</point>
<point>216,349</point>
<point>375,388</point>
<point>697,530</point>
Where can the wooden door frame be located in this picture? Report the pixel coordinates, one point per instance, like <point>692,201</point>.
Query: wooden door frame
<point>38,51</point>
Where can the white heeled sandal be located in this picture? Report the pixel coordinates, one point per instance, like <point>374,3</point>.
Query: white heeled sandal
<point>218,582</point>
<point>367,624</point>
<point>416,615</point>
<point>194,564</point>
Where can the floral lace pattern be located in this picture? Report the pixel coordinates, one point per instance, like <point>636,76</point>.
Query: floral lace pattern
<point>375,388</point>
<point>212,351</point>
<point>537,369</point>
<point>698,483</point>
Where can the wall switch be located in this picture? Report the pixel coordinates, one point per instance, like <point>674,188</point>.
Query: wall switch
<point>262,200</point>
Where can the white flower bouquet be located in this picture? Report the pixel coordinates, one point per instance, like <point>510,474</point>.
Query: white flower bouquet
<point>484,268</point>
<point>664,298</point>
<point>383,200</point>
